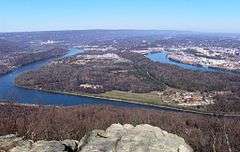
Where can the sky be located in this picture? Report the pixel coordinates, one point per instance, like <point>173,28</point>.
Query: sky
<point>187,15</point>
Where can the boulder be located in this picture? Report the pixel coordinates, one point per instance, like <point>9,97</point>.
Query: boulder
<point>127,138</point>
<point>12,143</point>
<point>117,138</point>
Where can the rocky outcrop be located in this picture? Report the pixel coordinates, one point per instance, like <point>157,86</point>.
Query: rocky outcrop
<point>117,138</point>
<point>12,143</point>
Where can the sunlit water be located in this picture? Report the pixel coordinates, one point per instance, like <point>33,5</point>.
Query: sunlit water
<point>162,57</point>
<point>9,92</point>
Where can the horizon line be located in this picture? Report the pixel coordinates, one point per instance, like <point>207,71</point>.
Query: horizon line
<point>122,29</point>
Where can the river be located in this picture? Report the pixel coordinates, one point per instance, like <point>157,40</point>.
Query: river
<point>162,57</point>
<point>10,92</point>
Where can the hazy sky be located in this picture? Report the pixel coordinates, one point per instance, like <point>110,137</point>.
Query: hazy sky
<point>196,15</point>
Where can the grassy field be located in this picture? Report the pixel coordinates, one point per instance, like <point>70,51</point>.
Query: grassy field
<point>152,97</point>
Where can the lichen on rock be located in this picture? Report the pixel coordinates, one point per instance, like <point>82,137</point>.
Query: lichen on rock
<point>116,138</point>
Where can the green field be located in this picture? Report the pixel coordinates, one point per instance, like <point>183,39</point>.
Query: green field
<point>151,98</point>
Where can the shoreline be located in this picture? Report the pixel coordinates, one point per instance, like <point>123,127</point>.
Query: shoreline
<point>21,65</point>
<point>144,105</point>
<point>219,69</point>
<point>236,71</point>
<point>147,105</point>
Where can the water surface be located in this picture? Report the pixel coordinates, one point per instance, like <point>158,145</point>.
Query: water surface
<point>9,92</point>
<point>162,57</point>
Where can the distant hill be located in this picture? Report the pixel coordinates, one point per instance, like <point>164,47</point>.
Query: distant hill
<point>8,46</point>
<point>85,36</point>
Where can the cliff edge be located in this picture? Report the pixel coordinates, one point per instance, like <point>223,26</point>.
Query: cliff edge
<point>117,138</point>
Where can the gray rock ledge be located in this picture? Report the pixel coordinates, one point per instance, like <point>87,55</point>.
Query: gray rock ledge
<point>117,138</point>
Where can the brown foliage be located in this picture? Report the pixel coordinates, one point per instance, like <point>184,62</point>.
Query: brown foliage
<point>140,75</point>
<point>38,122</point>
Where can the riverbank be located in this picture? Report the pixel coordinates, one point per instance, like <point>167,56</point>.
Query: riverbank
<point>164,57</point>
<point>51,78</point>
<point>161,107</point>
<point>96,96</point>
<point>217,69</point>
<point>33,57</point>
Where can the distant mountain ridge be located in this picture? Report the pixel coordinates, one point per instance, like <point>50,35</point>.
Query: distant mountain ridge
<point>8,46</point>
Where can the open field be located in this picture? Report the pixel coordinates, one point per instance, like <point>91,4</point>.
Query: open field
<point>133,77</point>
<point>151,97</point>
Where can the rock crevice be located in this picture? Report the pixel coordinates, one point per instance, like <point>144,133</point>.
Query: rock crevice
<point>117,138</point>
